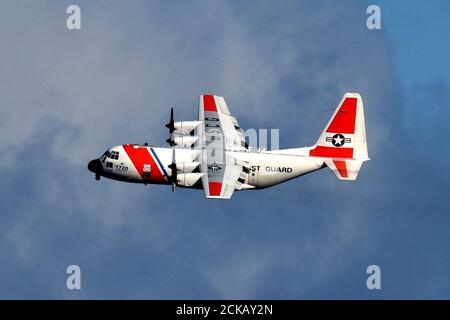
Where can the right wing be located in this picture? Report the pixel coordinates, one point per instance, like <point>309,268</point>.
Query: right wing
<point>218,134</point>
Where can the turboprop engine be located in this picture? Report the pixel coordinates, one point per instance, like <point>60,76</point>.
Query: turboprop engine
<point>181,132</point>
<point>183,141</point>
<point>186,126</point>
<point>188,179</point>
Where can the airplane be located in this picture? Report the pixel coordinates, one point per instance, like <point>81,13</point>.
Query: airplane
<point>211,153</point>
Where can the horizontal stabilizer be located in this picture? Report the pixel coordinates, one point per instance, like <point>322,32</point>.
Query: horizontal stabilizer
<point>345,169</point>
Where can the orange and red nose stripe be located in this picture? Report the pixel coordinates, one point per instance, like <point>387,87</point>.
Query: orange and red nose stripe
<point>141,156</point>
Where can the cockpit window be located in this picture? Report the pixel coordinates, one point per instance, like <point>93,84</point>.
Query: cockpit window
<point>113,155</point>
<point>103,157</point>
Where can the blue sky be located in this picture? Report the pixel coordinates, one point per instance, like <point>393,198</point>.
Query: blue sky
<point>68,95</point>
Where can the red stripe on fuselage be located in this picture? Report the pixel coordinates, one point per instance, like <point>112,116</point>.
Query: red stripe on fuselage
<point>330,152</point>
<point>344,120</point>
<point>342,167</point>
<point>141,156</point>
<point>209,104</point>
<point>215,188</point>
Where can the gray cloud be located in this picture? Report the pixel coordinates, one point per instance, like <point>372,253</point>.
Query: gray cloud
<point>66,96</point>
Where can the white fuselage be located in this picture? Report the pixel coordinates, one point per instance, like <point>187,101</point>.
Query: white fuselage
<point>150,165</point>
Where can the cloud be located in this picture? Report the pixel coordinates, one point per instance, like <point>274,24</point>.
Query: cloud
<point>67,96</point>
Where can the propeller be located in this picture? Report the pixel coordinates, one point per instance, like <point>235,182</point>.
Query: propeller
<point>171,127</point>
<point>174,171</point>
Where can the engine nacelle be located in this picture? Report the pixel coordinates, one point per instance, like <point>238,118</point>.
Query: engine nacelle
<point>184,141</point>
<point>187,167</point>
<point>186,126</point>
<point>188,179</point>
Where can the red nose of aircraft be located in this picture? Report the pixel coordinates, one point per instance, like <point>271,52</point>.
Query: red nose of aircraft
<point>96,167</point>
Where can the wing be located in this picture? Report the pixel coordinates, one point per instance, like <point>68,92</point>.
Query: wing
<point>218,135</point>
<point>214,111</point>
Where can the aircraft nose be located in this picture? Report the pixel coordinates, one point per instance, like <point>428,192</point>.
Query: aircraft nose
<point>95,166</point>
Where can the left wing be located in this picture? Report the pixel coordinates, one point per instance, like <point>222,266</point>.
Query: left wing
<point>219,134</point>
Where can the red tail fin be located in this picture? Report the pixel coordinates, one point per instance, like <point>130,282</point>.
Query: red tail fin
<point>343,141</point>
